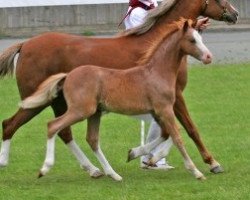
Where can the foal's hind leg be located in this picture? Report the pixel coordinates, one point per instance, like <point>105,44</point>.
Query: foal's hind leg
<point>59,107</point>
<point>56,125</point>
<point>93,140</point>
<point>10,126</point>
<point>183,116</point>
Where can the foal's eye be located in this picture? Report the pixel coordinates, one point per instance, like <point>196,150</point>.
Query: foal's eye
<point>193,41</point>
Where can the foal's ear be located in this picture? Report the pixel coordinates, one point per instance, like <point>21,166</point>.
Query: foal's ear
<point>186,26</point>
<point>194,23</point>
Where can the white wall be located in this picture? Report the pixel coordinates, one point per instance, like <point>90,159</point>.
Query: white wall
<point>28,3</point>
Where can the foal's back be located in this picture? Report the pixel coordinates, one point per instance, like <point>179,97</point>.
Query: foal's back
<point>121,91</point>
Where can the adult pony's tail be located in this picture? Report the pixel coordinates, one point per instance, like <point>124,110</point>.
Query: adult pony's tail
<point>46,92</point>
<point>7,59</point>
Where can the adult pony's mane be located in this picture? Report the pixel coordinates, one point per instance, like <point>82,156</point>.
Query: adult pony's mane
<point>151,18</point>
<point>171,29</point>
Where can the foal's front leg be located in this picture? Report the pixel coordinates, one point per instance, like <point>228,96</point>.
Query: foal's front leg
<point>93,140</point>
<point>169,127</point>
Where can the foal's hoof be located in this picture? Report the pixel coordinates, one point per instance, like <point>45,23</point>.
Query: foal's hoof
<point>216,170</point>
<point>115,177</point>
<point>201,178</point>
<point>131,155</point>
<point>97,174</point>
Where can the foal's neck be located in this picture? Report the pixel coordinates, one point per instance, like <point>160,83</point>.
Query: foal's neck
<point>167,56</point>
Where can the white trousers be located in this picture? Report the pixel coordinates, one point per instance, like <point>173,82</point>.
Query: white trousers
<point>154,132</point>
<point>136,17</point>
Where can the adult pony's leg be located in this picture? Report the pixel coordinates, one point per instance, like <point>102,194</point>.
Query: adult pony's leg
<point>93,140</point>
<point>59,107</point>
<point>10,126</point>
<point>184,118</point>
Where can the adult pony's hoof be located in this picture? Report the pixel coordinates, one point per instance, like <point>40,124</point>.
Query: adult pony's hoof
<point>216,170</point>
<point>96,174</point>
<point>131,155</point>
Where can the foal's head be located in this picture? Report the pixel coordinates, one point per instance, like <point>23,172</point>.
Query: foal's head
<point>191,43</point>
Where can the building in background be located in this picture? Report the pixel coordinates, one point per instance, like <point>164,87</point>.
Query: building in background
<point>32,17</point>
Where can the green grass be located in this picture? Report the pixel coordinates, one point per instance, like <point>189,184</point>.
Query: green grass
<point>218,100</point>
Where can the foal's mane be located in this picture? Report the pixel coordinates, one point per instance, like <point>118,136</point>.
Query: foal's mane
<point>152,17</point>
<point>155,43</point>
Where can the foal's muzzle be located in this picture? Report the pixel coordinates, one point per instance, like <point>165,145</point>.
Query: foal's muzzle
<point>207,58</point>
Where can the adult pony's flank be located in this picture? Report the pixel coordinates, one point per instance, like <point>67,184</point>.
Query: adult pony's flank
<point>52,53</point>
<point>147,88</point>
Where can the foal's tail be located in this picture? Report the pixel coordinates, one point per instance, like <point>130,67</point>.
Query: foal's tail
<point>7,59</point>
<point>46,91</point>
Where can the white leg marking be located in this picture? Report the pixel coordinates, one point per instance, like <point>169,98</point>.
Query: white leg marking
<point>50,156</point>
<point>193,169</point>
<point>4,153</point>
<point>108,170</point>
<point>83,160</point>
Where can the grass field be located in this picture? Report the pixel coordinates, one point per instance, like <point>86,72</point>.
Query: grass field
<point>218,98</point>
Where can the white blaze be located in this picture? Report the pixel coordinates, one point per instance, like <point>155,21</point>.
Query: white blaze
<point>200,43</point>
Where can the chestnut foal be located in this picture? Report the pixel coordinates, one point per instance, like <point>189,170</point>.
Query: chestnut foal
<point>148,88</point>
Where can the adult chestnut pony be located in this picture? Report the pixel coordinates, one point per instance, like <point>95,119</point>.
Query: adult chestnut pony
<point>147,88</point>
<point>52,53</point>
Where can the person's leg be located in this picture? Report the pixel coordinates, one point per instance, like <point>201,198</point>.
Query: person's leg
<point>153,133</point>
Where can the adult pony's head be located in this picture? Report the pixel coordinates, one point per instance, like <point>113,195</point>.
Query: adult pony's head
<point>220,10</point>
<point>191,43</point>
<point>172,10</point>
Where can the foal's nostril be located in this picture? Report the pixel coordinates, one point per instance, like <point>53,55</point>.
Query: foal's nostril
<point>209,56</point>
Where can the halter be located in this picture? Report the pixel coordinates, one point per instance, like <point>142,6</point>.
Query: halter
<point>223,7</point>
